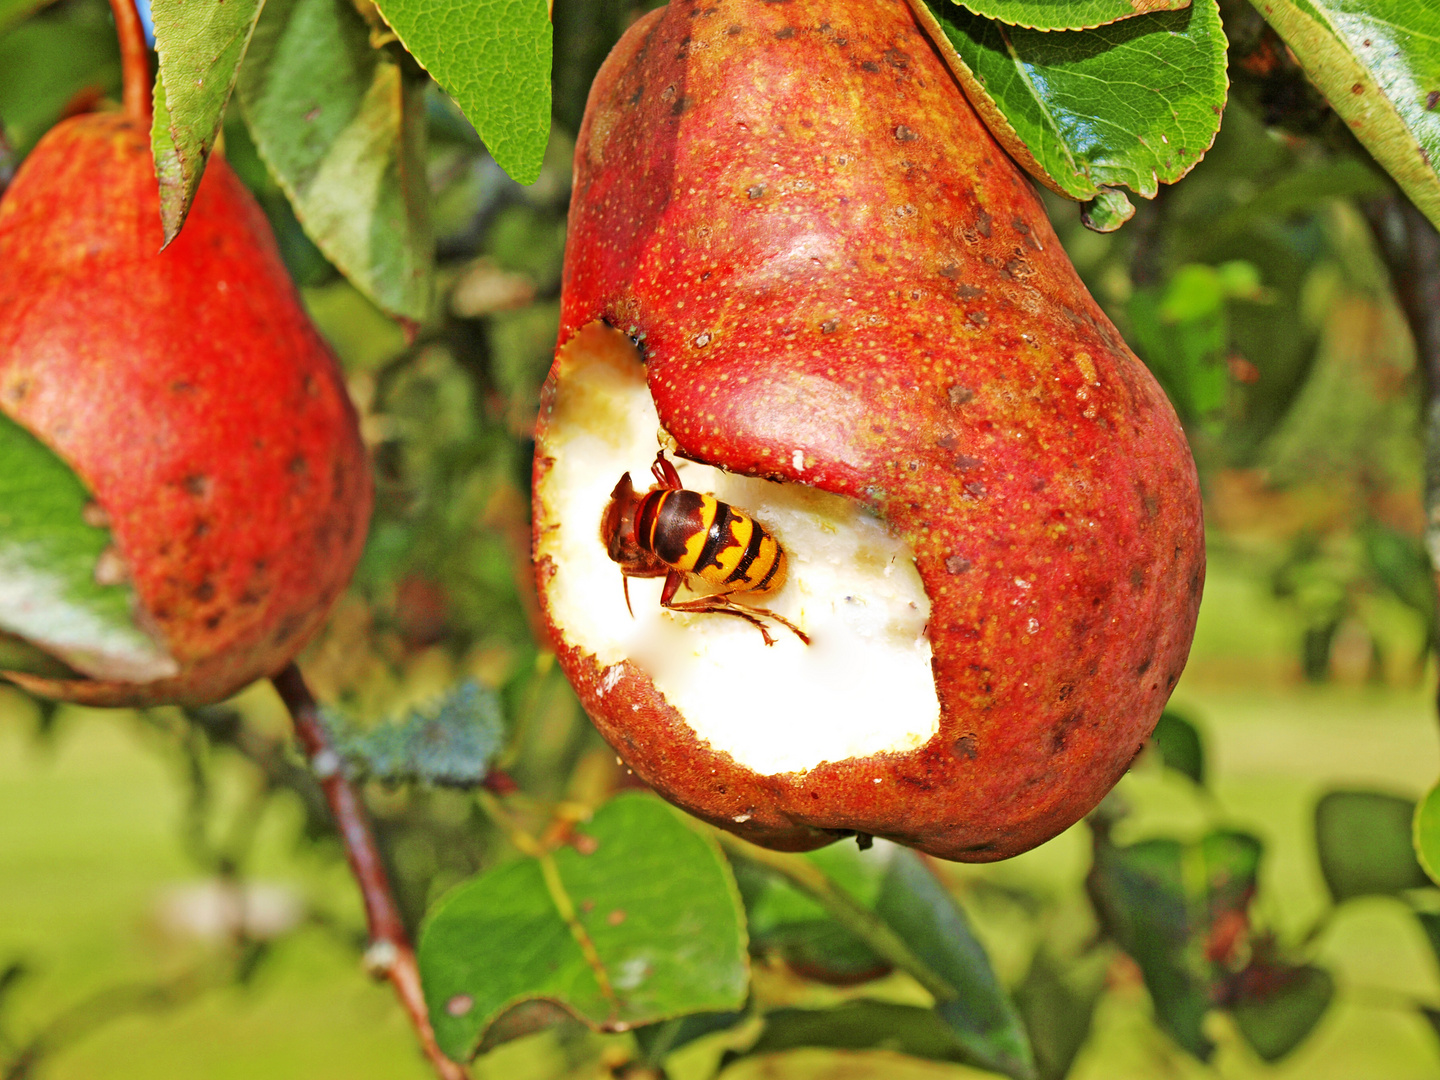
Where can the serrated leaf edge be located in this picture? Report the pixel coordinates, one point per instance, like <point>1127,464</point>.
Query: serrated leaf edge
<point>1153,6</point>
<point>1005,133</point>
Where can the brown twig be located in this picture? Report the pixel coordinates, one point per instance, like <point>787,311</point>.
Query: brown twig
<point>134,59</point>
<point>390,952</point>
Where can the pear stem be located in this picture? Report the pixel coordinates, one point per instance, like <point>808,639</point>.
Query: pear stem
<point>390,953</point>
<point>134,60</point>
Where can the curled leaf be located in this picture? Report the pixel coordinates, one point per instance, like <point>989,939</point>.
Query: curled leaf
<point>62,587</point>
<point>1133,104</point>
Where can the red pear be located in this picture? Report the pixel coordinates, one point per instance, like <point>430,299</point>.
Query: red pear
<point>857,323</point>
<point>190,392</point>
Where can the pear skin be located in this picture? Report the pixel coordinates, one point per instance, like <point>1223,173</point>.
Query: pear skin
<point>838,279</point>
<point>190,392</point>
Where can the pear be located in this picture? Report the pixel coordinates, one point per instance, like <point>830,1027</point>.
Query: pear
<point>800,264</point>
<point>190,392</point>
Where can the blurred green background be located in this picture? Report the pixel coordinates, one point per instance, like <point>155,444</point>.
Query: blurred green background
<point>171,902</point>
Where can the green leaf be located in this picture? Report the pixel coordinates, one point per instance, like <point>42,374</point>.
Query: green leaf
<point>826,952</point>
<point>1258,227</point>
<point>1280,1005</point>
<point>1364,843</point>
<point>48,561</point>
<point>1194,292</point>
<point>450,742</point>
<point>307,266</point>
<point>493,58</point>
<point>1430,922</point>
<point>1378,64</point>
<point>1160,899</point>
<point>1240,280</point>
<point>200,44</point>
<point>358,331</point>
<point>1066,14</point>
<point>657,1041</point>
<point>1132,104</point>
<point>784,920</point>
<point>644,925</point>
<point>1425,835</point>
<point>925,915</point>
<point>341,127</point>
<point>169,171</point>
<point>1231,865</point>
<point>1183,345</point>
<point>862,1025</point>
<point>1140,896</point>
<point>44,63</point>
<point>1057,1002</point>
<point>1398,560</point>
<point>1305,189</point>
<point>1179,744</point>
<point>892,902</point>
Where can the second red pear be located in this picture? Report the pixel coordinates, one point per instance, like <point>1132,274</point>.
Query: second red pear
<point>192,395</point>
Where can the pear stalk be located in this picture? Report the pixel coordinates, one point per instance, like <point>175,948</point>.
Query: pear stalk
<point>134,59</point>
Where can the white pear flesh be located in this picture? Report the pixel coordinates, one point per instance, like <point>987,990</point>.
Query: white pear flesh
<point>862,687</point>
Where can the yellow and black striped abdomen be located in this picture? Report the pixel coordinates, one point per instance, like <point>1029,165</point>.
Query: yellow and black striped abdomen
<point>698,534</point>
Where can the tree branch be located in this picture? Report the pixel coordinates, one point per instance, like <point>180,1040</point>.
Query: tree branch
<point>390,953</point>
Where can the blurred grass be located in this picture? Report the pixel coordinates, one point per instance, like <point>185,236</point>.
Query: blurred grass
<point>90,836</point>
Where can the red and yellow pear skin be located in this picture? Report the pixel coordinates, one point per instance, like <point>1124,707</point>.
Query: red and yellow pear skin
<point>190,392</point>
<point>839,279</point>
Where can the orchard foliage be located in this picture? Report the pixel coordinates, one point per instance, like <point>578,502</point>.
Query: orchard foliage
<point>378,138</point>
